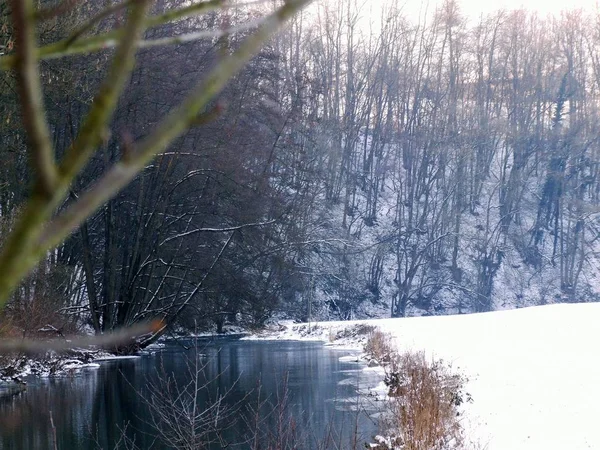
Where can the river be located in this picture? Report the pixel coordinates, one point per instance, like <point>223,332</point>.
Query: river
<point>306,393</point>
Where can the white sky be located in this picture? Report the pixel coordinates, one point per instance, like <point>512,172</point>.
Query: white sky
<point>474,8</point>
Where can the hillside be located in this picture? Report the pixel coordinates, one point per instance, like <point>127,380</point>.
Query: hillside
<point>366,163</point>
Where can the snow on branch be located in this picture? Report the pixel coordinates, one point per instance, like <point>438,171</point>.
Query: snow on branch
<point>215,230</point>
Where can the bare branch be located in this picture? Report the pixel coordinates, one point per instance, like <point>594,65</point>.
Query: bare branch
<point>59,345</point>
<point>107,12</point>
<point>30,92</point>
<point>32,236</point>
<point>96,125</point>
<point>192,294</point>
<point>190,37</point>
<point>215,230</point>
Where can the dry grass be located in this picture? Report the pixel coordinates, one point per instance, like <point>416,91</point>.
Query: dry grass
<point>379,347</point>
<point>423,411</point>
<point>426,397</point>
<point>357,331</point>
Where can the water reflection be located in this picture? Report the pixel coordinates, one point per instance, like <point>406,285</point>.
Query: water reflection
<point>93,409</point>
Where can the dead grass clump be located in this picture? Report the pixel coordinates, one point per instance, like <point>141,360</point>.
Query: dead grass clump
<point>358,331</point>
<point>424,408</point>
<point>379,347</point>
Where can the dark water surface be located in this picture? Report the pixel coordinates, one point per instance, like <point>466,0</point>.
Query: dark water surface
<point>94,408</point>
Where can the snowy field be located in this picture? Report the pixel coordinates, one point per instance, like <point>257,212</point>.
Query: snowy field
<point>533,372</point>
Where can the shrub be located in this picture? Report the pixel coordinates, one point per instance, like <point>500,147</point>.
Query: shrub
<point>424,399</point>
<point>424,407</point>
<point>379,347</point>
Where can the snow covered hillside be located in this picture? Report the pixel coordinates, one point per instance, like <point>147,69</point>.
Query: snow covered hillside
<point>533,373</point>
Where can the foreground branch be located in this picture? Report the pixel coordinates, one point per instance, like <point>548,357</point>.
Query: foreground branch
<point>121,337</point>
<point>30,91</point>
<point>175,124</point>
<point>21,251</point>
<point>76,45</point>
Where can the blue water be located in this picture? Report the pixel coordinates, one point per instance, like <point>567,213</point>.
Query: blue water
<point>297,392</point>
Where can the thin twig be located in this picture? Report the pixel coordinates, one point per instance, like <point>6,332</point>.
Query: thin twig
<point>215,230</point>
<point>197,35</point>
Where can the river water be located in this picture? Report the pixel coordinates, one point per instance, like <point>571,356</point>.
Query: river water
<point>299,390</point>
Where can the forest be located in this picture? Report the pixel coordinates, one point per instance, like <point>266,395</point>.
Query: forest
<point>365,163</point>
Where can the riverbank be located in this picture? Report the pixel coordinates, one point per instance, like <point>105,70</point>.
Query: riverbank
<point>15,370</point>
<point>18,368</point>
<point>531,372</point>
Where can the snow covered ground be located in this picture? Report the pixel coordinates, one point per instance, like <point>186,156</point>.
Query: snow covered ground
<point>533,372</point>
